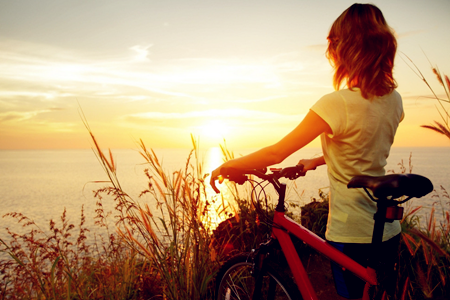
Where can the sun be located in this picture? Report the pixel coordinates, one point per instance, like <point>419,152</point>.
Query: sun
<point>215,129</point>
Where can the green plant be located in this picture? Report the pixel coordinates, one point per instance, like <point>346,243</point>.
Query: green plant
<point>314,215</point>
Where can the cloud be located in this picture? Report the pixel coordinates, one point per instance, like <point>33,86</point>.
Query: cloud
<point>34,70</point>
<point>319,48</point>
<point>33,75</point>
<point>17,116</point>
<point>410,33</point>
<point>34,94</point>
<point>417,100</point>
<point>74,74</point>
<point>212,113</point>
<point>263,99</point>
<point>230,115</point>
<point>141,52</point>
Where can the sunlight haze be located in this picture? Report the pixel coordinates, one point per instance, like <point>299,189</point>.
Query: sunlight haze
<point>242,71</point>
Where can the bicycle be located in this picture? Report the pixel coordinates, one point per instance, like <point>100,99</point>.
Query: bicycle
<point>258,275</point>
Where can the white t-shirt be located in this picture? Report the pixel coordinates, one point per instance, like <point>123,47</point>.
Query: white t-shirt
<point>363,132</point>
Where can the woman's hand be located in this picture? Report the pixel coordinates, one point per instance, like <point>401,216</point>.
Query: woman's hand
<point>311,164</point>
<point>214,176</point>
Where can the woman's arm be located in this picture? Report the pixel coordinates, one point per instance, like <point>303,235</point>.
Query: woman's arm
<point>311,127</point>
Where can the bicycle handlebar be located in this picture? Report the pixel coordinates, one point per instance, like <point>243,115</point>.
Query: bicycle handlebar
<point>389,186</point>
<point>239,176</point>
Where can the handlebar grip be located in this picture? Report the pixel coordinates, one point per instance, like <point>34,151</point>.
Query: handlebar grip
<point>234,174</point>
<point>239,176</point>
<point>293,172</point>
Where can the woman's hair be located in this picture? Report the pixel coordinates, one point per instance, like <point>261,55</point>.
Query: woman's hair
<point>361,48</point>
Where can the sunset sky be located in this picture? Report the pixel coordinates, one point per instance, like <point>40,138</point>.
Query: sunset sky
<point>243,71</point>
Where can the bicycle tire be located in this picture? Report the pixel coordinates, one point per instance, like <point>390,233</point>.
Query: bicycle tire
<point>235,281</point>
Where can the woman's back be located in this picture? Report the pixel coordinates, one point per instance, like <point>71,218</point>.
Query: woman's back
<point>363,132</point>
<point>362,135</point>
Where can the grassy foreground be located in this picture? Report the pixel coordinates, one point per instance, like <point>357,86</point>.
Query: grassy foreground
<point>170,251</point>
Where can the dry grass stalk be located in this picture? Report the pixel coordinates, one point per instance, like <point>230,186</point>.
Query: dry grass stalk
<point>57,264</point>
<point>174,235</point>
<point>442,127</point>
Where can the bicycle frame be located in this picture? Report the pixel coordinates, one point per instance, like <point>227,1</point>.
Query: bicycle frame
<point>283,226</point>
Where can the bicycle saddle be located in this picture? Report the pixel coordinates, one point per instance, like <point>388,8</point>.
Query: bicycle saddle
<point>393,185</point>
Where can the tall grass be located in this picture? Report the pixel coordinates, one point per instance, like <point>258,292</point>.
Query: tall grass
<point>424,257</point>
<point>160,246</point>
<point>175,236</point>
<point>426,246</point>
<point>442,126</point>
<point>57,263</point>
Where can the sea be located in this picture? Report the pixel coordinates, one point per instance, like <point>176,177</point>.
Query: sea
<point>42,184</point>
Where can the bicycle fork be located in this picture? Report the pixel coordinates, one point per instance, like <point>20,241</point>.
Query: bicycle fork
<point>260,268</point>
<point>258,286</point>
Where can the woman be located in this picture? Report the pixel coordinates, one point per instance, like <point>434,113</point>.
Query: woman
<point>357,126</point>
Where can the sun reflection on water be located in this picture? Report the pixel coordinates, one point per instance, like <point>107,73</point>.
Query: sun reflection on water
<point>220,203</point>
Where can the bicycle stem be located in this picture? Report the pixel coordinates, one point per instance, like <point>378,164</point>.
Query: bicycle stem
<point>282,194</point>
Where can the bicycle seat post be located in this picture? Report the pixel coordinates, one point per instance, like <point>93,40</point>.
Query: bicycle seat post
<point>380,220</point>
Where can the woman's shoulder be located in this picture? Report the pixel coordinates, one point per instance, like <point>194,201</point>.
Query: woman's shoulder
<point>395,94</point>
<point>353,96</point>
<point>330,103</point>
<point>344,93</point>
<point>343,96</point>
<point>332,96</point>
<point>394,98</point>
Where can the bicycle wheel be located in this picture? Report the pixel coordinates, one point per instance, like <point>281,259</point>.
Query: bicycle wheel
<point>235,281</point>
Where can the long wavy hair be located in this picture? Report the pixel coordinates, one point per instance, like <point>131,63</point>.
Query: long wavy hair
<point>361,48</point>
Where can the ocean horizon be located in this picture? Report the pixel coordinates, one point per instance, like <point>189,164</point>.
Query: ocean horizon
<point>41,184</point>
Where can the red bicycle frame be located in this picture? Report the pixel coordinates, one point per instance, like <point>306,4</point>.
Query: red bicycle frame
<point>288,226</point>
